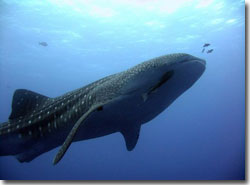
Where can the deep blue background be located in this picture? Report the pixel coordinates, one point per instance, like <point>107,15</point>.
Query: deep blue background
<point>200,136</point>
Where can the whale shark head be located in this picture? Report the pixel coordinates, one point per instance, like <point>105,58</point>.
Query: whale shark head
<point>168,75</point>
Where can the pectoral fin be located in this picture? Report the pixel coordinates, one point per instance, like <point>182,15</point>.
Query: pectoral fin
<point>71,135</point>
<point>131,135</point>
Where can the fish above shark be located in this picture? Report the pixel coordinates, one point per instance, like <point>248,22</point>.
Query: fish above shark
<point>210,51</point>
<point>45,44</point>
<point>206,45</point>
<point>121,102</point>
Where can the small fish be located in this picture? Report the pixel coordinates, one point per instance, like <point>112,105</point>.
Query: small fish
<point>43,44</point>
<point>203,50</point>
<point>206,45</point>
<point>210,51</point>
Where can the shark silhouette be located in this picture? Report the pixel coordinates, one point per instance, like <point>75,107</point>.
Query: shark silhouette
<point>120,102</point>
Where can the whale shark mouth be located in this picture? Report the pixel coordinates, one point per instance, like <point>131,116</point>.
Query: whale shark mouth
<point>178,77</point>
<point>181,76</point>
<point>185,73</point>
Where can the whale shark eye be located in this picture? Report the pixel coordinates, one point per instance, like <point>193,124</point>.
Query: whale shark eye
<point>100,108</point>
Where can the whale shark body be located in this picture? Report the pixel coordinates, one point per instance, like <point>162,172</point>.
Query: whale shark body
<point>120,102</point>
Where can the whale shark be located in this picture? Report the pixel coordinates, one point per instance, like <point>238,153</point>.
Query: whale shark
<point>121,102</point>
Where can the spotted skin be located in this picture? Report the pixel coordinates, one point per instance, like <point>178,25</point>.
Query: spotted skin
<point>53,110</point>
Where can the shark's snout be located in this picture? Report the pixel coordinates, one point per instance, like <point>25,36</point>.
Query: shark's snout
<point>186,58</point>
<point>199,60</point>
<point>187,70</point>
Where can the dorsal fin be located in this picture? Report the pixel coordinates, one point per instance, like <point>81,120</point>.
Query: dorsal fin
<point>25,101</point>
<point>131,135</point>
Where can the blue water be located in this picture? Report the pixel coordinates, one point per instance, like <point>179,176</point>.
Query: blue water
<point>199,137</point>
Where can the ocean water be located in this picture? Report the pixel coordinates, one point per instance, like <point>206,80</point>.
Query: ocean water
<point>201,136</point>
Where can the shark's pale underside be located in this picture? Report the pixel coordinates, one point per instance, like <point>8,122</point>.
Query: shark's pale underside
<point>120,102</point>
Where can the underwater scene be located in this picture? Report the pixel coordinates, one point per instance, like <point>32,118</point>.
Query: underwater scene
<point>122,90</point>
